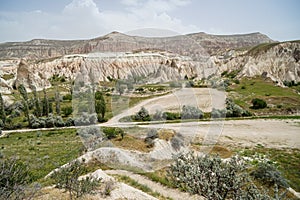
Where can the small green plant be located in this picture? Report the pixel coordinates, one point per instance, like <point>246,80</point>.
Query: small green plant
<point>67,178</point>
<point>258,103</point>
<point>14,179</point>
<point>142,115</point>
<point>113,132</point>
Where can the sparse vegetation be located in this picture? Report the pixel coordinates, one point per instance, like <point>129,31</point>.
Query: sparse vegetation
<point>67,178</point>
<point>214,179</point>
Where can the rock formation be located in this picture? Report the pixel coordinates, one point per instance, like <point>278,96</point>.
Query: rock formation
<point>119,56</point>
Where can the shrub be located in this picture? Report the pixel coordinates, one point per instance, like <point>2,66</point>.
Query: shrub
<point>233,110</point>
<point>213,178</point>
<point>113,132</point>
<point>171,116</point>
<point>67,97</point>
<point>142,115</point>
<point>258,103</point>
<point>69,122</point>
<point>177,142</point>
<point>14,179</point>
<point>86,119</point>
<point>158,115</point>
<point>67,178</point>
<point>67,110</point>
<point>217,113</point>
<point>91,137</point>
<point>268,174</point>
<point>190,112</point>
<point>151,136</point>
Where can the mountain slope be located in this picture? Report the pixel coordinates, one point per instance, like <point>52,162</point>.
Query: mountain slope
<point>118,42</point>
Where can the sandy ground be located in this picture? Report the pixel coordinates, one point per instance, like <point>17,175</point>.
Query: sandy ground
<point>204,98</point>
<point>270,133</point>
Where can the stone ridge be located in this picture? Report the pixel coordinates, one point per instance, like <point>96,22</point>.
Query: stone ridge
<point>118,42</point>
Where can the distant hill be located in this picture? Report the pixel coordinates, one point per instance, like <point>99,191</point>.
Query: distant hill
<point>191,44</point>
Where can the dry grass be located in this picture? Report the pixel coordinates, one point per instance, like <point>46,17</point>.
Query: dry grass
<point>131,143</point>
<point>166,134</point>
<point>222,151</point>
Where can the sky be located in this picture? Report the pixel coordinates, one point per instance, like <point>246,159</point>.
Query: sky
<point>23,20</point>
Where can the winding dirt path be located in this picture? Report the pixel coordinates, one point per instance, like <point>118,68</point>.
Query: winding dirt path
<point>156,187</point>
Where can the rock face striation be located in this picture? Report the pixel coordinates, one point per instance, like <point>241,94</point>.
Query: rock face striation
<point>119,56</point>
<point>118,42</point>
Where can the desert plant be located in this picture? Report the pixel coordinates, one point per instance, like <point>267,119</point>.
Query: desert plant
<point>233,110</point>
<point>268,174</point>
<point>216,179</point>
<point>14,179</point>
<point>151,136</point>
<point>217,113</point>
<point>91,136</point>
<point>67,178</point>
<point>191,112</point>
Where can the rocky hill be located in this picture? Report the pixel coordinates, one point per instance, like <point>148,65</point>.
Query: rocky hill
<point>120,56</point>
<point>118,42</point>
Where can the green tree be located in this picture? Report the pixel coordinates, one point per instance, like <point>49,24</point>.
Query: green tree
<point>142,115</point>
<point>2,110</point>
<point>24,95</point>
<point>67,178</point>
<point>45,104</point>
<point>100,105</point>
<point>37,111</point>
<point>57,102</point>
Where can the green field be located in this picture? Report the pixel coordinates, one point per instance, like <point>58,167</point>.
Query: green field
<point>43,151</point>
<point>280,100</point>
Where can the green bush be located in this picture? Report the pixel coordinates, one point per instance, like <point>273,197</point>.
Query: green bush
<point>190,112</point>
<point>91,137</point>
<point>142,115</point>
<point>258,103</point>
<point>67,178</point>
<point>151,136</point>
<point>113,132</point>
<point>67,97</point>
<point>14,179</point>
<point>67,110</point>
<point>171,116</point>
<point>213,178</point>
<point>217,113</point>
<point>233,110</point>
<point>269,174</point>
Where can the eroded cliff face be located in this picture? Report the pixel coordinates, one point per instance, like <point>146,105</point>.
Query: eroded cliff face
<point>153,59</point>
<point>151,66</point>
<point>278,61</point>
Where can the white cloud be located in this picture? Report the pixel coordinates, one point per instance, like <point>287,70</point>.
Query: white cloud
<point>83,19</point>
